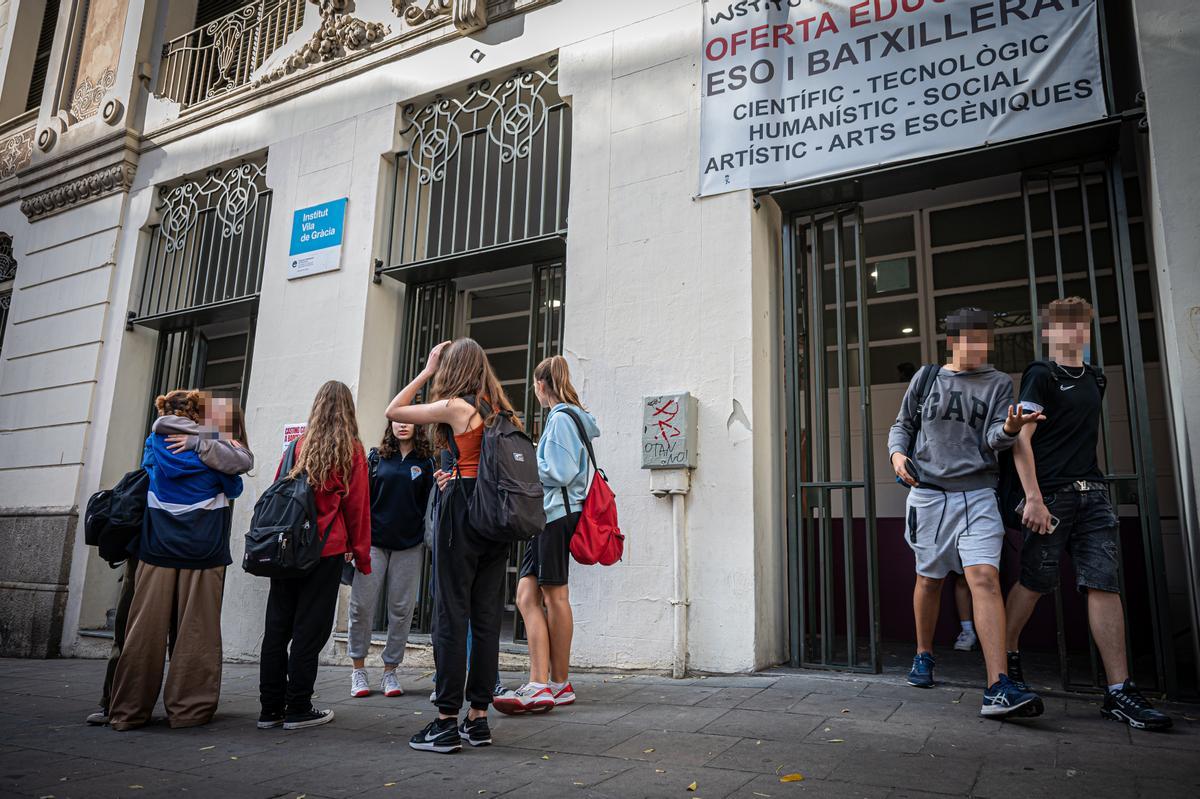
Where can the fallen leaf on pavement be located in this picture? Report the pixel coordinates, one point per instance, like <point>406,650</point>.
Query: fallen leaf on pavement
<point>660,771</point>
<point>828,729</point>
<point>388,784</point>
<point>756,793</point>
<point>578,783</point>
<point>836,741</point>
<point>692,787</point>
<point>1071,772</point>
<point>545,757</point>
<point>845,710</point>
<point>206,748</point>
<point>792,778</point>
<point>647,751</point>
<point>233,757</point>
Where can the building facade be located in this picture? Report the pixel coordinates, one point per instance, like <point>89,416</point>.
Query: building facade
<point>525,172</point>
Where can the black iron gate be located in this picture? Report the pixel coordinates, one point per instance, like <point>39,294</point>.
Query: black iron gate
<point>834,622</point>
<point>1089,253</point>
<point>1077,241</point>
<point>431,319</point>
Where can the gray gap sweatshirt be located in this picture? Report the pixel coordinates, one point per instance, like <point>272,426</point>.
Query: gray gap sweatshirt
<point>962,429</point>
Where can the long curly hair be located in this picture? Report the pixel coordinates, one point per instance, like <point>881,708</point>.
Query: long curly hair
<point>187,403</point>
<point>390,445</point>
<point>463,370</point>
<point>331,438</point>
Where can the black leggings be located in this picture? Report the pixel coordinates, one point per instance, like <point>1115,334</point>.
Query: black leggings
<point>470,574</point>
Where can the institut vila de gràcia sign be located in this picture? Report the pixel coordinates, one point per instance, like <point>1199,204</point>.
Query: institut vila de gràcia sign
<point>800,89</point>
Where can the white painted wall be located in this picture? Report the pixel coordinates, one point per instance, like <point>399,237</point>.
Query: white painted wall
<point>660,290</point>
<point>1167,32</point>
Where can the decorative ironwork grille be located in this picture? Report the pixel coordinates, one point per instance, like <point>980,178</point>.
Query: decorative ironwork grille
<point>221,55</point>
<point>5,304</point>
<point>483,171</point>
<point>209,246</point>
<point>8,264</point>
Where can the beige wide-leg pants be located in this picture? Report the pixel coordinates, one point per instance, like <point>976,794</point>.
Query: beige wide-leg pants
<point>192,599</point>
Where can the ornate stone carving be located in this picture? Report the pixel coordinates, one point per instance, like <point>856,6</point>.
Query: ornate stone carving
<point>15,152</point>
<point>339,33</point>
<point>102,182</point>
<point>468,15</point>
<point>8,264</point>
<point>86,100</point>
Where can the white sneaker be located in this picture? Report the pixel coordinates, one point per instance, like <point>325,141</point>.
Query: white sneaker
<point>358,683</point>
<point>966,641</point>
<point>390,684</point>
<point>526,699</point>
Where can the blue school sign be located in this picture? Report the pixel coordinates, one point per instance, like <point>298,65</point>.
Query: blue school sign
<point>317,238</point>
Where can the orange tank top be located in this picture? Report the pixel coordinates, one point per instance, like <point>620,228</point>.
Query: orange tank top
<point>469,445</point>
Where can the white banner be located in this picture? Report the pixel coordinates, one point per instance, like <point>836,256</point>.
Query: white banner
<point>800,89</point>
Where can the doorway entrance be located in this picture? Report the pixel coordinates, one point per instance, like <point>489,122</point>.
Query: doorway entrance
<point>516,315</point>
<point>867,288</point>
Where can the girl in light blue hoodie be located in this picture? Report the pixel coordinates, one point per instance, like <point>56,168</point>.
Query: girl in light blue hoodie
<point>542,593</point>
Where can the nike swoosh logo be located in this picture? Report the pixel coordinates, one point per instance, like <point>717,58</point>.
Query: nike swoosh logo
<point>1065,388</point>
<point>432,737</point>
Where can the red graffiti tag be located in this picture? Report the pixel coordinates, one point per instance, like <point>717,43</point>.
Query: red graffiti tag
<point>666,429</point>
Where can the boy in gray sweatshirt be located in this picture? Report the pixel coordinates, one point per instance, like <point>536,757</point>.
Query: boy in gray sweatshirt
<point>945,450</point>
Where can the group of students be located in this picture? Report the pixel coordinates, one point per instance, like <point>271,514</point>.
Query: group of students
<point>955,424</point>
<point>373,510</point>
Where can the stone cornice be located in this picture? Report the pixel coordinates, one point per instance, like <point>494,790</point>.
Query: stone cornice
<point>77,191</point>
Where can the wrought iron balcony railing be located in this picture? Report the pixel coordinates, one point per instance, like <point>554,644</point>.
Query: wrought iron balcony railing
<point>219,57</point>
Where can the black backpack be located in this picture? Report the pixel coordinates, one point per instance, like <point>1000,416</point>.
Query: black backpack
<point>506,505</point>
<point>928,375</point>
<point>1009,489</point>
<point>283,540</point>
<point>114,517</point>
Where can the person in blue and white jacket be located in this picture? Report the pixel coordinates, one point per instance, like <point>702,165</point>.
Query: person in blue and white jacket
<point>542,593</point>
<point>182,552</point>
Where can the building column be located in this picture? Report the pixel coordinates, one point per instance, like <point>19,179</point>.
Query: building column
<point>1167,31</point>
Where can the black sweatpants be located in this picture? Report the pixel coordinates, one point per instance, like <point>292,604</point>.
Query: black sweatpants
<point>299,610</point>
<point>469,573</point>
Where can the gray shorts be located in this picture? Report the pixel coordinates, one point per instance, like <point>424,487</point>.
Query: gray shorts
<point>948,531</point>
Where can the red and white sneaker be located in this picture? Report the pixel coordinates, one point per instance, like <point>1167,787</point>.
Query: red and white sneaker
<point>565,695</point>
<point>358,683</point>
<point>526,699</point>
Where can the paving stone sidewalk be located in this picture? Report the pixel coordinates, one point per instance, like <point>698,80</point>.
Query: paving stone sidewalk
<point>628,736</point>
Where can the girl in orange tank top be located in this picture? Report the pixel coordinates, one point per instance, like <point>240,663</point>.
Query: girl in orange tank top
<point>469,567</point>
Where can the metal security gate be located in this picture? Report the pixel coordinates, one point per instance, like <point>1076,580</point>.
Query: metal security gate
<point>432,312</point>
<point>1088,252</point>
<point>831,519</point>
<point>1011,246</point>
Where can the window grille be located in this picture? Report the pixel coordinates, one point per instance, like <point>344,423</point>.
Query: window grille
<point>483,171</point>
<point>208,248</point>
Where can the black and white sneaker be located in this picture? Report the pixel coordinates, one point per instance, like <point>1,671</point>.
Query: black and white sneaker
<point>477,732</point>
<point>1128,705</point>
<point>269,721</point>
<point>1014,671</point>
<point>439,735</point>
<point>311,718</point>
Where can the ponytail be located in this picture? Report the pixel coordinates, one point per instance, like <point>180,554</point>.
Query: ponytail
<point>554,372</point>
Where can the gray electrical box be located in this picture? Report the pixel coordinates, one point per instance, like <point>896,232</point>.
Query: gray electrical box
<point>669,431</point>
